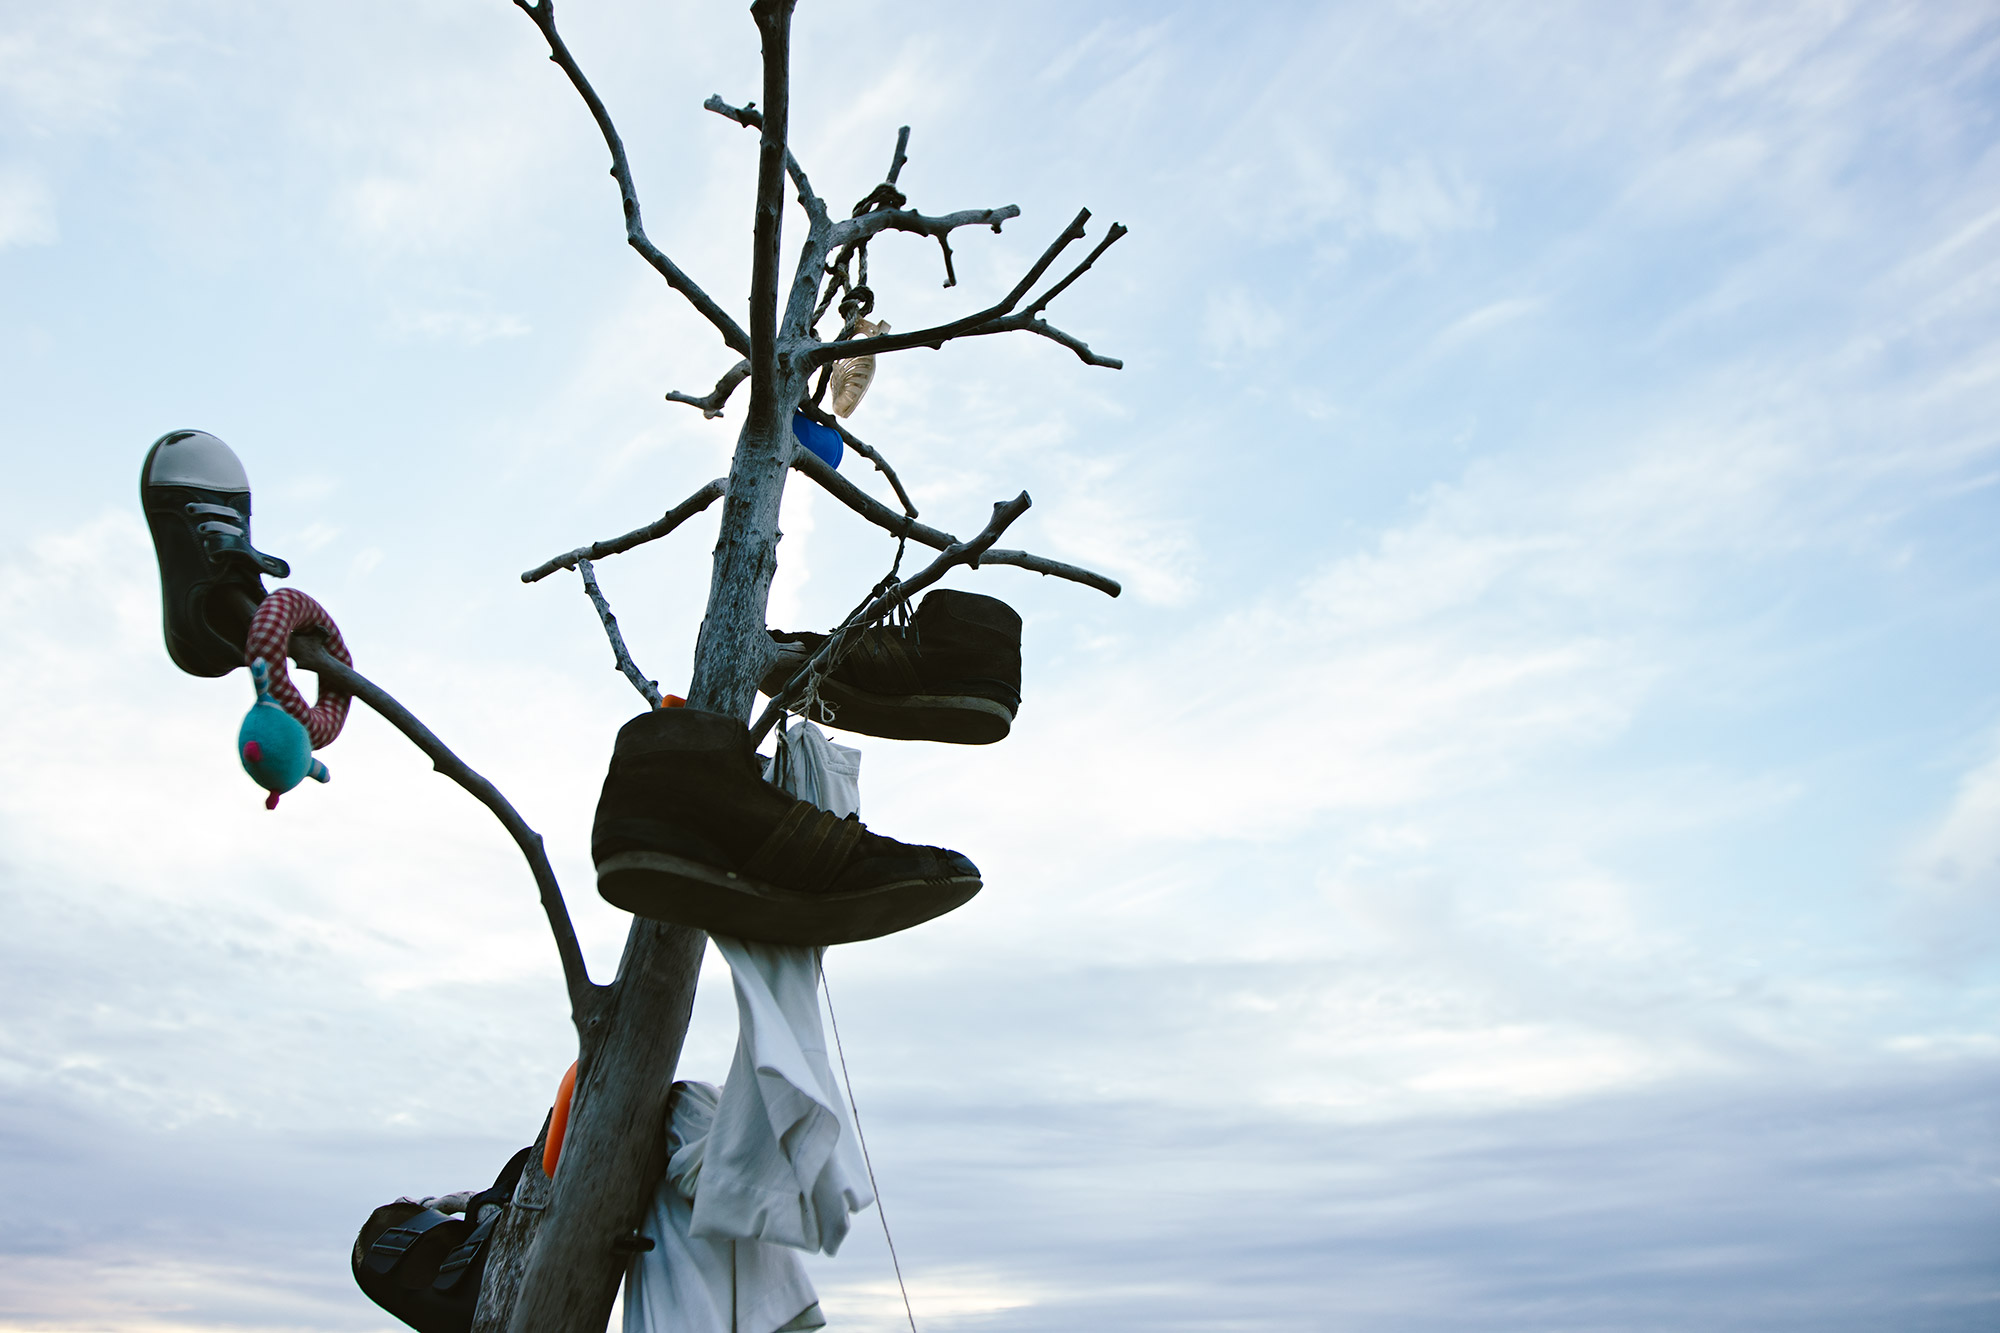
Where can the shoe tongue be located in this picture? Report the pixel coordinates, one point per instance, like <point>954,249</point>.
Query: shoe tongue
<point>199,460</point>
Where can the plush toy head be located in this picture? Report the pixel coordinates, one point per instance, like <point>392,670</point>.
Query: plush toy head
<point>273,745</point>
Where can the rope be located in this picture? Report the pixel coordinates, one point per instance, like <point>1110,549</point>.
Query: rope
<point>819,962</point>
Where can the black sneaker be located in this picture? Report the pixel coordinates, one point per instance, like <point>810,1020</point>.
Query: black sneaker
<point>197,502</point>
<point>688,832</point>
<point>952,674</point>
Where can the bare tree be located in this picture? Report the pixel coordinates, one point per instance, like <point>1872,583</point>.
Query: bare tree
<point>564,1245</point>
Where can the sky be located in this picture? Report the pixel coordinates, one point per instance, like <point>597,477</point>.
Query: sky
<point>1523,852</point>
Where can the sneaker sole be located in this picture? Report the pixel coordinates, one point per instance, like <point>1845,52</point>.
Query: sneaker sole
<point>663,887</point>
<point>955,719</point>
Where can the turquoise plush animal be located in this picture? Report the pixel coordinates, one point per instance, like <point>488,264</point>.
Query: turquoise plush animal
<point>273,745</point>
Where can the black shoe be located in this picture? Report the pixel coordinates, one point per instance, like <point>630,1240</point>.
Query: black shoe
<point>953,674</point>
<point>688,832</point>
<point>197,502</point>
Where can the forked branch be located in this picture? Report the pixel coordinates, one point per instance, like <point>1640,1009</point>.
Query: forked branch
<point>903,525</point>
<point>827,654</point>
<point>543,15</point>
<point>711,405</point>
<point>659,527</point>
<point>310,652</point>
<point>996,318</point>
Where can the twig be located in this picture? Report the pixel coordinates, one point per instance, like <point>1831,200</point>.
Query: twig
<point>902,156</point>
<point>958,553</point>
<point>902,525</point>
<point>994,318</point>
<point>543,15</point>
<point>1029,324</point>
<point>867,451</point>
<point>711,406</point>
<point>619,652</point>
<point>310,652</point>
<point>659,527</point>
<point>1118,229</point>
<point>750,118</point>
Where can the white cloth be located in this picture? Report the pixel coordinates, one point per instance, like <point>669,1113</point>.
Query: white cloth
<point>770,1166</point>
<point>784,1165</point>
<point>693,1284</point>
<point>783,1162</point>
<point>813,768</point>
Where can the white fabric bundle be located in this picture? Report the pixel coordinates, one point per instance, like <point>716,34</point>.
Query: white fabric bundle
<point>694,1284</point>
<point>770,1165</point>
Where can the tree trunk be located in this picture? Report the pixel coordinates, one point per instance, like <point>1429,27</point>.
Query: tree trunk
<point>614,1154</point>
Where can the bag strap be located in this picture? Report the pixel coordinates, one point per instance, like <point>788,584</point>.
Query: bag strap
<point>460,1261</point>
<point>390,1247</point>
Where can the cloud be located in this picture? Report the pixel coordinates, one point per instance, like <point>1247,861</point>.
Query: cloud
<point>1414,201</point>
<point>27,210</point>
<point>68,67</point>
<point>460,326</point>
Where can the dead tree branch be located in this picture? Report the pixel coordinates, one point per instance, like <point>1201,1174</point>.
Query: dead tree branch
<point>584,997</point>
<point>711,406</point>
<point>902,525</point>
<point>822,659</point>
<point>902,156</point>
<point>750,118</point>
<point>543,15</point>
<point>774,23</point>
<point>867,451</point>
<point>620,654</point>
<point>996,318</point>
<point>659,527</point>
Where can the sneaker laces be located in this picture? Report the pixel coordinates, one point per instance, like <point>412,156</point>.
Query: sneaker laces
<point>225,533</point>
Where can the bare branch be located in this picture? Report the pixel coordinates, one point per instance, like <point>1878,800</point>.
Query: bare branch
<point>950,273</point>
<point>711,406</point>
<point>1047,330</point>
<point>649,689</point>
<point>938,334</point>
<point>867,451</point>
<point>584,997</point>
<point>544,18</point>
<point>750,117</point>
<point>1118,229</point>
<point>902,156</point>
<point>903,525</point>
<point>774,23</point>
<point>958,553</point>
<point>870,225</point>
<point>659,527</point>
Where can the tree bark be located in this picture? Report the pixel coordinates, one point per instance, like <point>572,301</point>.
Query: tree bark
<point>614,1154</point>
<point>615,1151</point>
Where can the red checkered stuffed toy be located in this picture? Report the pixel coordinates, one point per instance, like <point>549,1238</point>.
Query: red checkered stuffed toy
<point>278,615</point>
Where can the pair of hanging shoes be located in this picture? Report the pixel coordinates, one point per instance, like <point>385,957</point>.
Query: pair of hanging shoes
<point>689,832</point>
<point>952,674</point>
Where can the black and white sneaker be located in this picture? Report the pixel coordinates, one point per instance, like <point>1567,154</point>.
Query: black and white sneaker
<point>197,502</point>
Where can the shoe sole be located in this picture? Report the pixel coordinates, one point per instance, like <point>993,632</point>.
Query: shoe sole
<point>955,719</point>
<point>663,887</point>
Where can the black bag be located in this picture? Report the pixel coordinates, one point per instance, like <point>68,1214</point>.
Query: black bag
<point>424,1266</point>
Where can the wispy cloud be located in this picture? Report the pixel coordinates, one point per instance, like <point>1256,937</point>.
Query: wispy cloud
<point>27,209</point>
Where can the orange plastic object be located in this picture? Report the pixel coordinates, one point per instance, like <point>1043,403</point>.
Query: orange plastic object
<point>672,701</point>
<point>558,1122</point>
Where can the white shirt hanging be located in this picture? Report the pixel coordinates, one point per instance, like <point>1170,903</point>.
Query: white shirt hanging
<point>692,1284</point>
<point>785,1166</point>
<point>770,1166</point>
